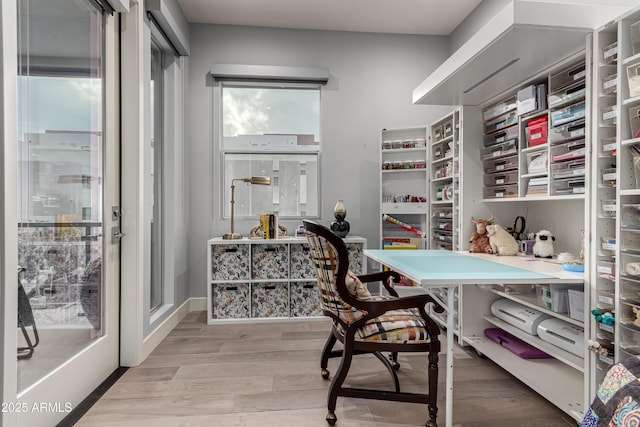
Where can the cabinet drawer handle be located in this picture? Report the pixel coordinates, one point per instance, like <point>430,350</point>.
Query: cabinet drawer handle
<point>230,250</point>
<point>270,287</point>
<point>308,286</point>
<point>269,249</point>
<point>231,288</point>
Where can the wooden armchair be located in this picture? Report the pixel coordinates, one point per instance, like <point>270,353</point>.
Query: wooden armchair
<point>366,324</point>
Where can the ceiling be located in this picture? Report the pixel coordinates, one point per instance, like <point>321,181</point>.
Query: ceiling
<point>427,17</point>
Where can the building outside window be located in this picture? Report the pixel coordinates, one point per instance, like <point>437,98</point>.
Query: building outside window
<point>271,130</point>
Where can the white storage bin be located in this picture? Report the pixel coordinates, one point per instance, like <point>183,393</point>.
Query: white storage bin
<point>500,191</point>
<point>500,150</point>
<point>501,165</point>
<point>610,84</point>
<point>630,264</point>
<point>501,178</point>
<point>608,208</point>
<point>634,32</point>
<point>609,115</point>
<point>608,146</point>
<point>631,215</point>
<point>555,297</point>
<point>568,169</point>
<point>630,289</point>
<point>566,132</point>
<point>571,150</point>
<point>606,269</point>
<point>576,304</point>
<point>568,114</point>
<point>633,75</point>
<point>504,135</point>
<point>568,186</point>
<point>610,53</point>
<point>630,240</point>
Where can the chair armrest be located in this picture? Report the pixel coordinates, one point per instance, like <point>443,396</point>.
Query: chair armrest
<point>377,308</point>
<point>383,277</point>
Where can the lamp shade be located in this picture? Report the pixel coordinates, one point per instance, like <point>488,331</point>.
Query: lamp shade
<point>261,180</point>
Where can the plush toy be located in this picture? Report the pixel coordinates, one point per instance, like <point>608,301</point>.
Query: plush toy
<point>502,243</point>
<point>479,239</point>
<point>543,247</point>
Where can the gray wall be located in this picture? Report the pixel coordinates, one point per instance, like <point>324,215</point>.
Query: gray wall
<point>372,78</point>
<point>486,10</point>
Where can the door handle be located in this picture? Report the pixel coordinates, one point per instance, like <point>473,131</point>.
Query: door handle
<point>116,235</point>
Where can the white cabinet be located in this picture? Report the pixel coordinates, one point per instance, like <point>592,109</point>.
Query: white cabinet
<point>542,121</point>
<point>534,142</point>
<point>560,379</point>
<point>615,179</point>
<point>444,177</point>
<point>272,279</point>
<point>404,206</point>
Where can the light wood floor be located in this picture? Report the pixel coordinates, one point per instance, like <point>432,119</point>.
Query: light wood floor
<point>267,375</point>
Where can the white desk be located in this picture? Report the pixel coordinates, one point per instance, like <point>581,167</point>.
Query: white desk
<point>445,269</point>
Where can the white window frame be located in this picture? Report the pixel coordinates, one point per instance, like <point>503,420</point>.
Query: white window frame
<point>223,188</point>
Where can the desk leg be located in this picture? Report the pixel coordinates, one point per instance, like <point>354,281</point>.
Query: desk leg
<point>449,370</point>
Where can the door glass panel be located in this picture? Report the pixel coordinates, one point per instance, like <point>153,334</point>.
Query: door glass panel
<point>60,186</point>
<point>156,157</point>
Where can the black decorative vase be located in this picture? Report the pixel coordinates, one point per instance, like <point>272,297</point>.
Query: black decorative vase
<point>340,226</point>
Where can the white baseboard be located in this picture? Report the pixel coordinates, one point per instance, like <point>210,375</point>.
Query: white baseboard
<point>155,338</point>
<point>198,304</point>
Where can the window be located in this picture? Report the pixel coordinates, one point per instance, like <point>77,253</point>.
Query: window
<point>156,172</point>
<point>272,130</point>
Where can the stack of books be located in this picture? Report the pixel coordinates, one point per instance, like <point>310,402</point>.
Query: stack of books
<point>269,225</point>
<point>538,186</point>
<point>401,243</point>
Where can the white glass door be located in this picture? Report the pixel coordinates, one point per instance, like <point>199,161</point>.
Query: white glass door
<point>67,189</point>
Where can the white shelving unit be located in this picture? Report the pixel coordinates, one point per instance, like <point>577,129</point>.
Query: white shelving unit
<point>444,179</point>
<point>604,203</point>
<point>538,154</point>
<point>598,216</point>
<point>251,280</point>
<point>403,185</point>
<point>492,179</point>
<point>615,179</point>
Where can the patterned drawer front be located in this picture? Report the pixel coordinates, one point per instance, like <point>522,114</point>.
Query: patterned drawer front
<point>230,300</point>
<point>230,262</point>
<point>305,300</point>
<point>270,300</point>
<point>301,265</point>
<point>355,257</point>
<point>269,261</point>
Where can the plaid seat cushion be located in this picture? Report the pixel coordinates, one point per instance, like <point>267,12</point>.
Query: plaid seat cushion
<point>397,326</point>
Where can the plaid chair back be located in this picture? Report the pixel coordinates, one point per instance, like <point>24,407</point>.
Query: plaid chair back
<point>325,259</point>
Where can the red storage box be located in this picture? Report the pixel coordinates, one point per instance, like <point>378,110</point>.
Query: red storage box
<point>537,131</point>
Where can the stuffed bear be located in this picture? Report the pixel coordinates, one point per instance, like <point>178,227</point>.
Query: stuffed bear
<point>479,239</point>
<point>543,247</point>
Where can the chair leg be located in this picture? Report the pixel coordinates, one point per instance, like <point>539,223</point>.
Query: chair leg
<point>394,360</point>
<point>26,352</point>
<point>326,354</point>
<point>390,367</point>
<point>338,380</point>
<point>433,388</point>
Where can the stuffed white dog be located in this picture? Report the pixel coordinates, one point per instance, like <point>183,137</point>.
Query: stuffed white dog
<point>543,247</point>
<point>502,243</point>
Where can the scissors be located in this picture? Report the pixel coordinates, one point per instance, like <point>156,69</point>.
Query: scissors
<point>518,228</point>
